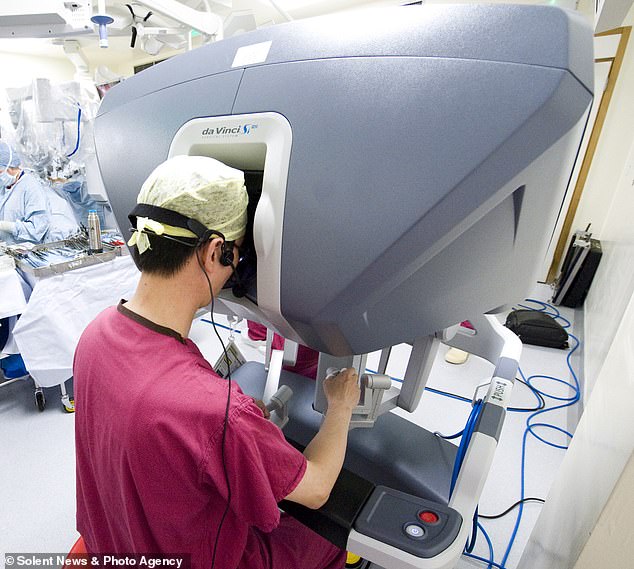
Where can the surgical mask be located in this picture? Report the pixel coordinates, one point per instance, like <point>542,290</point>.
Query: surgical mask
<point>6,179</point>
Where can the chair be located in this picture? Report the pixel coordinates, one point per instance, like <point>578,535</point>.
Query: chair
<point>79,547</point>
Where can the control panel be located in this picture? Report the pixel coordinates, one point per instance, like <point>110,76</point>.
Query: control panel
<point>420,527</point>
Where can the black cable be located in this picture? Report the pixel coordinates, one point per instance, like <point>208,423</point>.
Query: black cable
<point>510,508</point>
<point>224,427</point>
<point>542,401</point>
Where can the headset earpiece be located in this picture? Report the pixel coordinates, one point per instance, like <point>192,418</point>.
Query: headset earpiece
<point>226,254</point>
<point>226,249</point>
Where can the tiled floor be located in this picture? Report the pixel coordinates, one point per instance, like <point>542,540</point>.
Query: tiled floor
<point>37,449</point>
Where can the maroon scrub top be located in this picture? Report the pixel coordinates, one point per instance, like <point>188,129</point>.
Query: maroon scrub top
<point>150,413</point>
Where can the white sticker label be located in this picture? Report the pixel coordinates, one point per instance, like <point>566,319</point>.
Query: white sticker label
<point>252,54</point>
<point>233,360</point>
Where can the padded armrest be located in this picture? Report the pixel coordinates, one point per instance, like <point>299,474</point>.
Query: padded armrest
<point>394,453</point>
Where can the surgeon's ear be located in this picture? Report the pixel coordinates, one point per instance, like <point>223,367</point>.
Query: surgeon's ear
<point>210,253</point>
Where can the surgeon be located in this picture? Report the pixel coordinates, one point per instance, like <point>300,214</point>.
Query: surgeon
<point>307,360</point>
<point>171,458</point>
<point>75,192</point>
<point>63,221</point>
<point>24,208</point>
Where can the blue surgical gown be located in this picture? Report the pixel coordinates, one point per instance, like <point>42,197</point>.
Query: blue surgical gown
<point>25,203</point>
<point>63,222</point>
<point>76,192</point>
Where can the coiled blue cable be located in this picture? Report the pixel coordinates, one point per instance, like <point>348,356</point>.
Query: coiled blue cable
<point>531,424</point>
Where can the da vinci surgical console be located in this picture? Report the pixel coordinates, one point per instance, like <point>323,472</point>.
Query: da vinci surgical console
<point>405,169</point>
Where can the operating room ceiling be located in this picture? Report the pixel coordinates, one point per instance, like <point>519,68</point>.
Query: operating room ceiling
<point>157,34</point>
<point>237,16</point>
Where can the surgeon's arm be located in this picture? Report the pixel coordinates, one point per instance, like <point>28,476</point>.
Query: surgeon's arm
<point>7,226</point>
<point>36,221</point>
<point>327,450</point>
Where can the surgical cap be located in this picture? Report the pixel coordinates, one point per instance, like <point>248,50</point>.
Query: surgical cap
<point>9,158</point>
<point>201,188</point>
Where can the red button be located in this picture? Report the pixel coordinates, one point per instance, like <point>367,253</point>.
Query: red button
<point>428,517</point>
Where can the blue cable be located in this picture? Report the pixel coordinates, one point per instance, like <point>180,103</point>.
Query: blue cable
<point>530,423</point>
<point>465,399</point>
<point>78,132</point>
<point>547,309</point>
<point>221,326</point>
<point>460,455</point>
<point>488,540</point>
<point>461,398</point>
<point>451,396</point>
<point>568,400</point>
<point>464,442</point>
<point>470,545</point>
<point>450,437</point>
<point>478,558</point>
<point>467,432</point>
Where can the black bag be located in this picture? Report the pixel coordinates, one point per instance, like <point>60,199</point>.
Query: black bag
<point>537,328</point>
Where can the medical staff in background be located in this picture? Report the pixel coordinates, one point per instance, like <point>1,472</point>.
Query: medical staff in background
<point>75,192</point>
<point>63,221</point>
<point>24,207</point>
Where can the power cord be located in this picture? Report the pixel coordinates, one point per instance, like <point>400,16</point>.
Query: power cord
<point>511,508</point>
<point>224,427</point>
<point>531,424</point>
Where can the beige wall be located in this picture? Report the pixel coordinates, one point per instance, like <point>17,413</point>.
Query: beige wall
<point>122,59</point>
<point>612,541</point>
<point>19,70</point>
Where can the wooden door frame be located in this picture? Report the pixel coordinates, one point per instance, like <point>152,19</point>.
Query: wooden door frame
<point>617,61</point>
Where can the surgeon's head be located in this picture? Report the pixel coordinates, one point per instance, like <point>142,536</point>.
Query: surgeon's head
<point>191,211</point>
<point>9,165</point>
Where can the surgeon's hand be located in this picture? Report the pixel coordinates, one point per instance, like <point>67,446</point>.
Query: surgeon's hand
<point>262,407</point>
<point>342,389</point>
<point>7,226</point>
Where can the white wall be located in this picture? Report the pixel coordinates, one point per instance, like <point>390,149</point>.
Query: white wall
<point>586,483</point>
<point>613,285</point>
<point>606,201</point>
<point>587,501</point>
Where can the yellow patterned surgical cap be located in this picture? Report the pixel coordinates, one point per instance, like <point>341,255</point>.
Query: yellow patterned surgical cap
<point>201,188</point>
